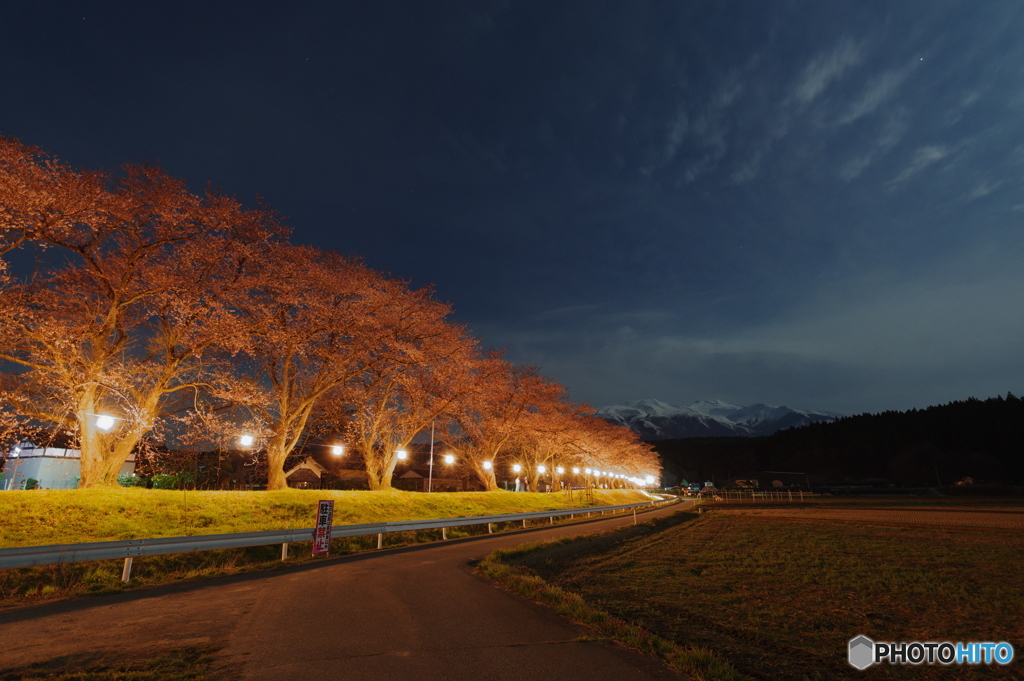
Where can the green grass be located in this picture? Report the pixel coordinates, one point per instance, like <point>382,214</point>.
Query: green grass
<point>183,664</point>
<point>781,599</point>
<point>41,517</point>
<point>74,516</point>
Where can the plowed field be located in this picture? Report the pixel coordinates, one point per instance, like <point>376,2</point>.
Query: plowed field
<point>1001,518</point>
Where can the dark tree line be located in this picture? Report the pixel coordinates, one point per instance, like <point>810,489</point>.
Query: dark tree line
<point>936,446</point>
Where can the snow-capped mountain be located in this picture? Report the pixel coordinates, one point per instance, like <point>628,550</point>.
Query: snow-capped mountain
<point>657,420</point>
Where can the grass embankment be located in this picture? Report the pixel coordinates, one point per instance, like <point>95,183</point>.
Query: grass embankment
<point>780,599</point>
<point>41,517</point>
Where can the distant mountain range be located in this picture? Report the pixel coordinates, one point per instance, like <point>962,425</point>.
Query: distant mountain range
<point>657,420</point>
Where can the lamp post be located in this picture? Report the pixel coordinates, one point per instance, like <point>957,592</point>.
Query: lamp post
<point>430,477</point>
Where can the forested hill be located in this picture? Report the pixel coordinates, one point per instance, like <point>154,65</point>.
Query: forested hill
<point>973,438</point>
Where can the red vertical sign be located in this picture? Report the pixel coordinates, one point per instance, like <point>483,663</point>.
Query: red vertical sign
<point>322,532</point>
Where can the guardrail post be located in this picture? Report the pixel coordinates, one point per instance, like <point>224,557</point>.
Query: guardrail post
<point>524,523</point>
<point>284,551</point>
<point>444,533</point>
<point>380,540</point>
<point>634,515</point>
<point>126,573</point>
<point>552,519</point>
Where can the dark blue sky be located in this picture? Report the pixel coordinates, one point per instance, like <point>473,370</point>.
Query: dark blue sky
<point>816,204</point>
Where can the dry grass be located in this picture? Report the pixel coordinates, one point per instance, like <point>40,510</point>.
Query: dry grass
<point>183,664</point>
<point>780,599</point>
<point>976,517</point>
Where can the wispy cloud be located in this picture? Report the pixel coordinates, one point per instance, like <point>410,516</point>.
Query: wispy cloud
<point>923,157</point>
<point>891,135</point>
<point>984,189</point>
<point>825,69</point>
<point>876,93</point>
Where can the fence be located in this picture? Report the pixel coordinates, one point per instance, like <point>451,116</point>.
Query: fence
<point>54,554</point>
<point>760,496</point>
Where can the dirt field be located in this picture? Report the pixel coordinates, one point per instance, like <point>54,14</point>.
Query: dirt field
<point>778,591</point>
<point>1011,518</point>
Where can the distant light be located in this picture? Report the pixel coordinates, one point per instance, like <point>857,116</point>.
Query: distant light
<point>449,459</point>
<point>587,471</point>
<point>245,440</point>
<point>516,467</point>
<point>542,469</point>
<point>401,454</point>
<point>559,470</point>
<point>105,422</point>
<point>337,450</point>
<point>575,471</point>
<point>487,465</point>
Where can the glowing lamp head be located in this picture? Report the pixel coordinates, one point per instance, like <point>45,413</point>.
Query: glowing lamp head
<point>516,467</point>
<point>587,471</point>
<point>542,469</point>
<point>575,471</point>
<point>337,450</point>
<point>449,459</point>
<point>245,440</point>
<point>487,465</point>
<point>559,470</point>
<point>402,454</point>
<point>104,422</point>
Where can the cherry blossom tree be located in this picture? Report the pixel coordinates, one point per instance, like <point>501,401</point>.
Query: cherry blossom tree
<point>129,309</point>
<point>488,417</point>
<point>320,324</point>
<point>420,374</point>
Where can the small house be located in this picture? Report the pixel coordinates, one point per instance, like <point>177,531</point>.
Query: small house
<point>308,474</point>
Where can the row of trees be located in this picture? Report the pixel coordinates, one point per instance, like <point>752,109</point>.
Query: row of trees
<point>194,318</point>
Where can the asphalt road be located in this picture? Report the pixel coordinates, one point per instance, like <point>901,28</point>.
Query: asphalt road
<point>412,613</point>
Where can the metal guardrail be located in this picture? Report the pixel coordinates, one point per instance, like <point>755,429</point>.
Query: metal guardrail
<point>54,554</point>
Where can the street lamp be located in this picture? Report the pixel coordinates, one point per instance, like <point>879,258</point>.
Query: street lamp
<point>105,422</point>
<point>487,465</point>
<point>449,459</point>
<point>401,454</point>
<point>575,470</point>
<point>560,470</point>
<point>542,469</point>
<point>337,450</point>
<point>245,440</point>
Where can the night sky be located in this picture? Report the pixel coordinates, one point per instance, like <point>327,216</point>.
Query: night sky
<point>816,204</point>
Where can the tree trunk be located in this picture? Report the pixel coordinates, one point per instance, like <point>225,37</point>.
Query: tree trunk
<point>486,477</point>
<point>102,454</point>
<point>277,452</point>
